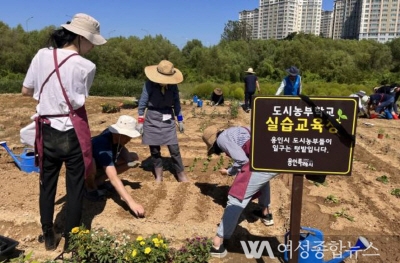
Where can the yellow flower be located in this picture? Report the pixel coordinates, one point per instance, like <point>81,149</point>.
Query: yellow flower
<point>75,230</point>
<point>159,236</point>
<point>139,238</point>
<point>155,240</point>
<point>156,244</point>
<point>134,253</point>
<point>86,231</point>
<point>142,243</point>
<point>147,250</point>
<point>164,246</point>
<point>161,241</point>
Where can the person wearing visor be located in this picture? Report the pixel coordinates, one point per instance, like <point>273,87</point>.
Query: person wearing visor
<point>59,78</point>
<point>235,143</point>
<point>158,106</point>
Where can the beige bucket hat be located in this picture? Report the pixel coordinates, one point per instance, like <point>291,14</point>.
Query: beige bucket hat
<point>125,125</point>
<point>209,137</point>
<point>164,73</point>
<point>250,70</point>
<point>86,26</point>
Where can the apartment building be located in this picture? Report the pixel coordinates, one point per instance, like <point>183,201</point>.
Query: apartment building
<point>379,20</point>
<point>346,19</point>
<point>311,17</point>
<point>326,24</point>
<point>350,19</point>
<point>279,18</point>
<point>252,19</point>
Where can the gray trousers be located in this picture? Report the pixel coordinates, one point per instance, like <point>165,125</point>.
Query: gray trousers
<point>234,208</point>
<point>175,156</point>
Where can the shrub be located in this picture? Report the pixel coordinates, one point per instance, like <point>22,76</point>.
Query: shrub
<point>194,250</point>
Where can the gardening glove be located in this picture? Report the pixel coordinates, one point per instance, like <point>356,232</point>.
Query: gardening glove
<point>180,122</point>
<point>181,126</point>
<point>139,125</point>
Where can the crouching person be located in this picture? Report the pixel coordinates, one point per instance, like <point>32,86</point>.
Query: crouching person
<point>112,157</point>
<point>235,142</point>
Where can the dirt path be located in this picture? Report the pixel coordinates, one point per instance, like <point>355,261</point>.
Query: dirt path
<point>182,210</point>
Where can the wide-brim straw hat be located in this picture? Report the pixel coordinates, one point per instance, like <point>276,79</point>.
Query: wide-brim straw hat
<point>218,91</point>
<point>293,71</point>
<point>125,125</point>
<point>209,137</point>
<point>250,70</point>
<point>86,26</point>
<point>164,73</point>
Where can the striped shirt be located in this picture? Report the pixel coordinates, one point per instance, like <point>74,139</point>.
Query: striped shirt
<point>231,142</point>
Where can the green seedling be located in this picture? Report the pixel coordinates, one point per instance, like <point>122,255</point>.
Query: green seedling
<point>205,166</point>
<point>341,116</point>
<point>395,192</point>
<point>331,199</point>
<point>383,179</point>
<point>344,214</point>
<point>221,160</point>
<point>371,167</point>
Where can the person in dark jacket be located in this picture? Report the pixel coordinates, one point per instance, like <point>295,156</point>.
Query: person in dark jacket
<point>217,97</point>
<point>250,86</point>
<point>160,96</point>
<point>393,90</point>
<point>235,142</point>
<point>291,84</point>
<point>382,105</point>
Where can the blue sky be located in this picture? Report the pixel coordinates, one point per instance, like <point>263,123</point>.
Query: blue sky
<point>177,20</point>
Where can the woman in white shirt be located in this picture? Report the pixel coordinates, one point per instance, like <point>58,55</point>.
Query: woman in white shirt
<point>59,78</point>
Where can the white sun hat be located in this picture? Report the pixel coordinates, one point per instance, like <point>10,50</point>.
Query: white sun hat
<point>86,26</point>
<point>125,125</point>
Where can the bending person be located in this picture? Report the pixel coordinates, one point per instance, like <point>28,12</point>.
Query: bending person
<point>111,157</point>
<point>235,142</point>
<point>217,97</point>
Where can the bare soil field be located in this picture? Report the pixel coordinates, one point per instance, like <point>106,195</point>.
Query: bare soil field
<point>364,207</point>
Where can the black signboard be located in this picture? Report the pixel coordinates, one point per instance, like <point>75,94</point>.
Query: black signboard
<point>303,135</point>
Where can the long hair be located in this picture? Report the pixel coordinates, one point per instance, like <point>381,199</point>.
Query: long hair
<point>61,37</point>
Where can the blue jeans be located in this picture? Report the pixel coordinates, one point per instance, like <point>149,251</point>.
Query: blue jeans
<point>385,104</point>
<point>233,210</point>
<point>60,147</point>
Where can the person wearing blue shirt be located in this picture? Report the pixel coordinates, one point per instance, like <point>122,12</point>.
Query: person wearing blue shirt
<point>291,84</point>
<point>112,157</point>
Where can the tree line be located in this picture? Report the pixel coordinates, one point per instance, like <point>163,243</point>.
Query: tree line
<point>120,62</point>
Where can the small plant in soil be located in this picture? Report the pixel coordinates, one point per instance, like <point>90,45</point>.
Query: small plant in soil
<point>383,179</point>
<point>191,168</point>
<point>109,108</point>
<point>344,214</point>
<point>370,167</point>
<point>331,199</point>
<point>395,192</point>
<point>205,166</point>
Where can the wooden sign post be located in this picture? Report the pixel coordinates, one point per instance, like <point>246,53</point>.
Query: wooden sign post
<point>302,135</point>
